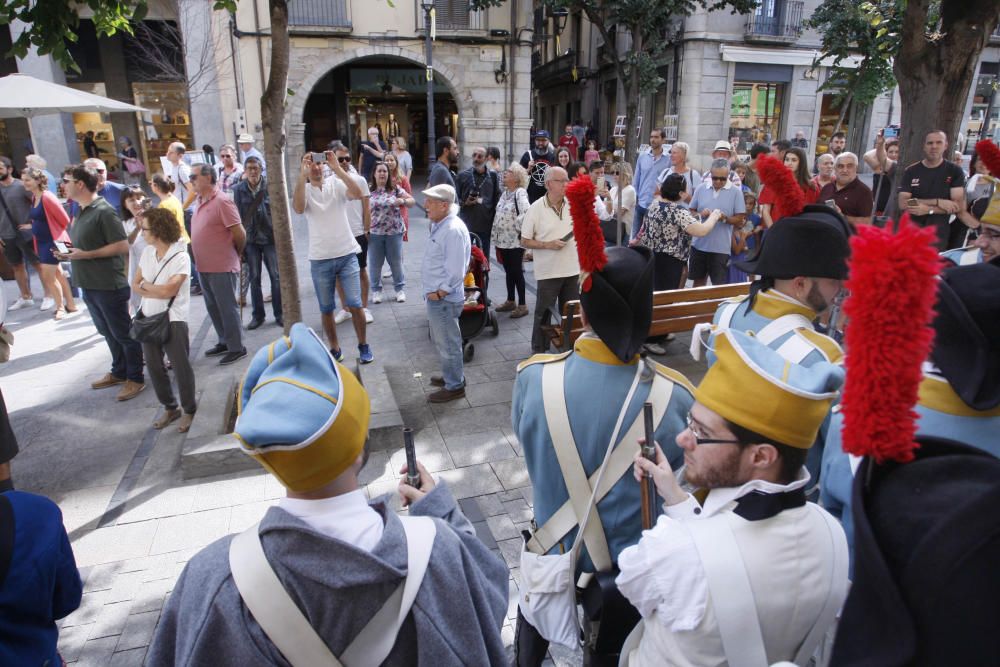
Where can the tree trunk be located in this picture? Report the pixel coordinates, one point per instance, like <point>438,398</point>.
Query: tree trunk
<point>935,77</point>
<point>632,100</point>
<point>272,112</point>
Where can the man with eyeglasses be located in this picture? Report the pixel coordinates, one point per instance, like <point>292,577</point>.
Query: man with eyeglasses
<point>333,249</point>
<point>359,216</point>
<point>99,257</point>
<point>254,204</point>
<point>230,172</point>
<point>111,191</point>
<point>710,253</point>
<point>749,572</point>
<point>478,190</point>
<point>547,231</point>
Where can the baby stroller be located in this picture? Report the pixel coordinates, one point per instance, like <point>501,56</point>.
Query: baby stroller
<point>477,313</point>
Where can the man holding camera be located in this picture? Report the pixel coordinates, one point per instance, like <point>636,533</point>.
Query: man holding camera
<point>478,190</point>
<point>933,190</point>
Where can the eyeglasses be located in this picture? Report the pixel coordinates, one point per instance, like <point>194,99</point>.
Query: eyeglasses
<point>68,180</point>
<point>698,440</point>
<point>720,178</point>
<point>342,160</point>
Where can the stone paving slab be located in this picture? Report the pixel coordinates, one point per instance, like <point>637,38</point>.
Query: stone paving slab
<point>131,557</point>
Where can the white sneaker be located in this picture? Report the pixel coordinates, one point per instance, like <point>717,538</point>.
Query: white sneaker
<point>21,303</point>
<point>377,297</point>
<point>387,273</point>
<point>368,316</point>
<point>342,316</point>
<point>400,297</point>
<point>47,303</point>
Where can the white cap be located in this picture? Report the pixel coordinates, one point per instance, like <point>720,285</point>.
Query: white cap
<point>723,145</point>
<point>443,192</point>
<point>246,139</point>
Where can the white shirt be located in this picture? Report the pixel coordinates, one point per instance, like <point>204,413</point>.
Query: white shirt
<point>627,205</point>
<point>326,214</point>
<point>175,262</point>
<point>181,175</point>
<point>355,207</point>
<point>348,518</point>
<point>542,223</point>
<point>663,577</point>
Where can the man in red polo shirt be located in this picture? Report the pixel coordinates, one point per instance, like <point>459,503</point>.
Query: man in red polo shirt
<point>217,240</point>
<point>852,198</point>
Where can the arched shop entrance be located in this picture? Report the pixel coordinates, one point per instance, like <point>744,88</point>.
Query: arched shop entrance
<point>377,91</point>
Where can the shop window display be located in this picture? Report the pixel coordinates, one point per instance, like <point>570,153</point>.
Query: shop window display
<point>167,120</point>
<point>755,112</point>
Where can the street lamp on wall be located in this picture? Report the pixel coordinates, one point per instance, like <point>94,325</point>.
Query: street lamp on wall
<point>428,6</point>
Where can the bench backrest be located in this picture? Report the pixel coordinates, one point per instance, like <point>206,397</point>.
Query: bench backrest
<point>673,311</point>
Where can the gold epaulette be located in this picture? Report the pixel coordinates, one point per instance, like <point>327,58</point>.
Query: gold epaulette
<point>542,359</point>
<point>672,375</point>
<point>827,346</point>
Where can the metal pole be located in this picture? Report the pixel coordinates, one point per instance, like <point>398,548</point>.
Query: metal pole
<point>431,139</point>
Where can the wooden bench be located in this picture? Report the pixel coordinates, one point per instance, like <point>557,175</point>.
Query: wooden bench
<point>673,311</point>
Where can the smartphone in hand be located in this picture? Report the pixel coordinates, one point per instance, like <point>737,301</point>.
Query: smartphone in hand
<point>62,248</point>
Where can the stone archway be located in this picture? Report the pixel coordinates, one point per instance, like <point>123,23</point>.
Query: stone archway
<point>316,63</point>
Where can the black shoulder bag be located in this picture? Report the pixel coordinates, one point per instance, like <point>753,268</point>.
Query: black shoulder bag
<point>155,328</point>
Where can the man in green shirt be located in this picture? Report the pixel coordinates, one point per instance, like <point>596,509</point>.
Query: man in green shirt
<point>99,256</point>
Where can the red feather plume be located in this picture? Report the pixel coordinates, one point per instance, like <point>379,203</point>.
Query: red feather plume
<point>586,228</point>
<point>989,154</point>
<point>893,286</point>
<point>788,196</point>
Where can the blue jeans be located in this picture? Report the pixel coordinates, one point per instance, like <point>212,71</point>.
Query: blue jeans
<point>447,336</point>
<point>109,310</point>
<point>326,272</point>
<point>269,255</point>
<point>390,247</point>
<point>640,213</point>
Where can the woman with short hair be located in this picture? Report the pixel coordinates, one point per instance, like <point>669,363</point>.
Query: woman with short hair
<point>626,209</point>
<point>49,223</point>
<point>506,236</point>
<point>162,281</point>
<point>163,187</point>
<point>134,205</point>
<point>403,157</point>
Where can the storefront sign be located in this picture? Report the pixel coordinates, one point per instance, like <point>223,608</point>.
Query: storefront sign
<point>393,81</point>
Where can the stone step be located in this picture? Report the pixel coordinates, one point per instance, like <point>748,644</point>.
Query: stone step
<point>210,449</point>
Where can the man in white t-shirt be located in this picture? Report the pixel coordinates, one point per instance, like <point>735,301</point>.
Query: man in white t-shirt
<point>332,247</point>
<point>548,232</point>
<point>359,216</point>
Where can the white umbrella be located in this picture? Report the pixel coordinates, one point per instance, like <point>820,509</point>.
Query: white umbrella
<point>23,96</point>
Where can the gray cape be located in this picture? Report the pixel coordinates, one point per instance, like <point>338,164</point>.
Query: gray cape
<point>455,619</point>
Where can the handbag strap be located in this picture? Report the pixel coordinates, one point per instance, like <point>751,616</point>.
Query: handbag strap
<point>582,496</point>
<point>729,586</point>
<point>163,266</point>
<point>288,628</point>
<point>564,519</point>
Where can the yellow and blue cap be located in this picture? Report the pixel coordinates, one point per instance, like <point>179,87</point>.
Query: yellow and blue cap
<point>302,416</point>
<point>753,386</point>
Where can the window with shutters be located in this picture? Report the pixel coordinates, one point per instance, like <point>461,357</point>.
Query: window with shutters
<point>453,15</point>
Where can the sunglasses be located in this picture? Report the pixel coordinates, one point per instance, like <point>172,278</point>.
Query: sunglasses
<point>342,160</point>
<point>720,178</point>
<point>68,180</point>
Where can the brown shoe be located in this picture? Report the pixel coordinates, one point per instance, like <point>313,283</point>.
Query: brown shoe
<point>108,380</point>
<point>520,311</point>
<point>506,307</point>
<point>167,417</point>
<point>437,381</point>
<point>130,390</point>
<point>445,395</point>
<point>184,425</point>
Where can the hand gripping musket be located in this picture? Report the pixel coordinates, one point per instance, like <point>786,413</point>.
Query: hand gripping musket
<point>648,487</point>
<point>412,474</point>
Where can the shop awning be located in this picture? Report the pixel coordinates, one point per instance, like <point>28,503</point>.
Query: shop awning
<point>752,54</point>
<point>23,96</point>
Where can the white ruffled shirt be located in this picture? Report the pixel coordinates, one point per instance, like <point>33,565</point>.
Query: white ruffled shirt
<point>663,572</point>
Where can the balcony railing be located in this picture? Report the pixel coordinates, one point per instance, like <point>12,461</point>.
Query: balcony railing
<point>558,71</point>
<point>319,15</point>
<point>451,16</point>
<point>776,22</point>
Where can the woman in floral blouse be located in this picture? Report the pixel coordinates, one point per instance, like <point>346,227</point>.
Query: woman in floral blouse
<point>386,242</point>
<point>506,236</point>
<point>667,230</point>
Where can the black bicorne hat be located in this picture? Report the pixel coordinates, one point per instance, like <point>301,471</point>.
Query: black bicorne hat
<point>813,243</point>
<point>967,333</point>
<point>926,583</point>
<point>619,304</point>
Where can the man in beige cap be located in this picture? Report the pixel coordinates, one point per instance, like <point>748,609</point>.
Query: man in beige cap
<point>246,144</point>
<point>446,261</point>
<point>723,150</point>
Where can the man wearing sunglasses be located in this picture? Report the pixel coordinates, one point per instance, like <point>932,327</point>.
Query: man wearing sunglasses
<point>332,247</point>
<point>751,573</point>
<point>710,253</point>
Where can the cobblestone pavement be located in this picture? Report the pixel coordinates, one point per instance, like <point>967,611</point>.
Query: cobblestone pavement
<point>134,520</point>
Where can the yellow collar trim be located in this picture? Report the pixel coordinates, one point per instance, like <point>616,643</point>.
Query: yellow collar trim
<point>936,394</point>
<point>592,348</point>
<point>772,304</point>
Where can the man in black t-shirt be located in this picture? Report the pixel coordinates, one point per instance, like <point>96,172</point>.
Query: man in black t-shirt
<point>933,190</point>
<point>537,161</point>
<point>372,152</point>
